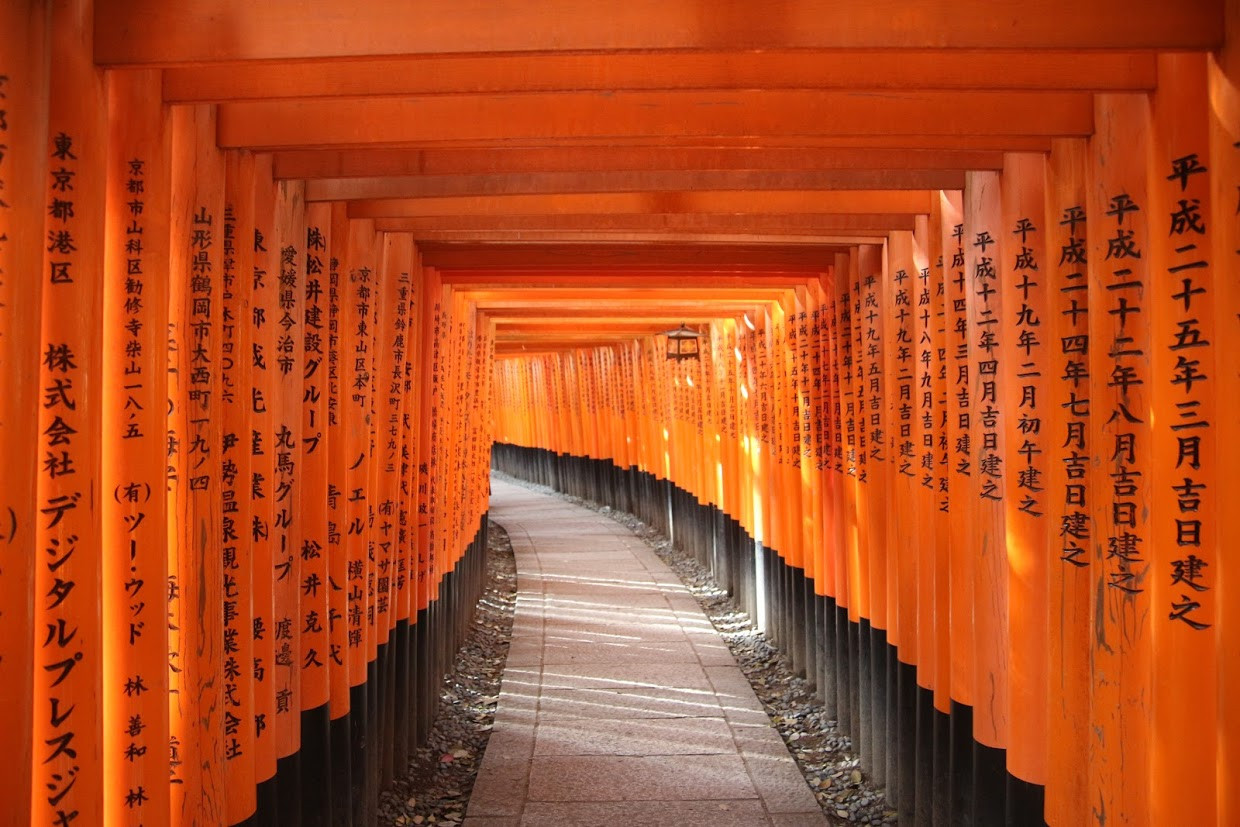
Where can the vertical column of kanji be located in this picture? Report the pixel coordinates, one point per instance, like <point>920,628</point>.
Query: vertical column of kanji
<point>923,402</point>
<point>478,391</point>
<point>1224,71</point>
<point>315,651</point>
<point>236,367</point>
<point>796,484</point>
<point>815,435</point>
<point>712,421</point>
<point>629,434</point>
<point>789,362</point>
<point>959,501</point>
<point>592,397</point>
<point>389,315</point>
<point>195,582</point>
<point>730,438</point>
<point>577,402</point>
<point>410,426</point>
<point>357,341</point>
<point>442,466</point>
<point>1066,425</point>
<point>937,445</point>
<point>264,313</point>
<point>774,416</point>
<point>830,455</point>
<point>620,403</point>
<point>760,440</point>
<point>662,438</point>
<point>23,175</point>
<point>135,559</point>
<point>983,256</point>
<point>703,418</point>
<point>580,402</point>
<point>905,536</point>
<point>607,392</point>
<point>1184,529</point>
<point>872,433</point>
<point>790,422</point>
<point>339,340</point>
<point>847,346</point>
<point>1022,351</point>
<point>605,378</point>
<point>426,442</point>
<point>1119,437</point>
<point>68,663</point>
<point>595,428</point>
<point>313,616</point>
<point>288,361</point>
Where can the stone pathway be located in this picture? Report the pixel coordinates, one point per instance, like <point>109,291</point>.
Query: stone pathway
<point>619,703</point>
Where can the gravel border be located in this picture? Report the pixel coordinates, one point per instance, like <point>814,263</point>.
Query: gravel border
<point>441,774</point>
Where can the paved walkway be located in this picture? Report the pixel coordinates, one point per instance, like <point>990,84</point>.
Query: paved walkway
<point>620,704</point>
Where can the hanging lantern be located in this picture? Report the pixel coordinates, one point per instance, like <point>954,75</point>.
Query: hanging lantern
<point>682,343</point>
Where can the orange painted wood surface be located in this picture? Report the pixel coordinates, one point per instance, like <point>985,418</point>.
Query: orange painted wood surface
<point>145,31</point>
<point>24,45</point>
<point>1224,138</point>
<point>237,477</point>
<point>68,770</point>
<point>1120,394</point>
<point>135,439</point>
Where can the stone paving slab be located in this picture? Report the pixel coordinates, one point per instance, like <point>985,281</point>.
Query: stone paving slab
<point>620,704</point>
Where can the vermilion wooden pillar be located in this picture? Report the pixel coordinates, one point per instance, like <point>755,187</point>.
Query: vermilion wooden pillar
<point>1224,137</point>
<point>961,462</point>
<point>287,366</point>
<point>135,444</point>
<point>264,320</point>
<point>195,589</point>
<point>68,663</point>
<point>1023,350</point>
<point>1120,388</point>
<point>24,50</point>
<point>1185,527</point>
<point>237,490</point>
<point>1071,528</point>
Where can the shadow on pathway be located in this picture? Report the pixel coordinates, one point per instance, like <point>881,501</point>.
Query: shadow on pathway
<point>620,704</point>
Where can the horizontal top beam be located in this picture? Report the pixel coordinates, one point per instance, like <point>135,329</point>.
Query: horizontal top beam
<point>144,32</point>
<point>832,202</point>
<point>603,116</point>
<point>432,186</point>
<point>536,297</point>
<point>375,162</point>
<point>553,72</point>
<point>644,262</point>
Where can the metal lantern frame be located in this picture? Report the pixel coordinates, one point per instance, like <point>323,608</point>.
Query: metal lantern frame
<point>682,343</point>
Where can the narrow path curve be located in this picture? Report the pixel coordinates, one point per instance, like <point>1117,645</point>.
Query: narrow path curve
<point>620,704</point>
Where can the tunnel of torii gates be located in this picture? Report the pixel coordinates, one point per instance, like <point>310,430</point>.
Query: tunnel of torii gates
<point>274,280</point>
